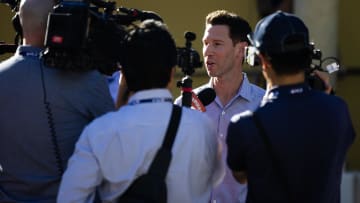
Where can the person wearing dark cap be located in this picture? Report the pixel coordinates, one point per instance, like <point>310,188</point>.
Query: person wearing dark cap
<point>293,147</point>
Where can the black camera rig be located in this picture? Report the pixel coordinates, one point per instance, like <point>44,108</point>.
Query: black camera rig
<point>89,34</point>
<point>84,35</point>
<point>327,64</point>
<point>187,59</point>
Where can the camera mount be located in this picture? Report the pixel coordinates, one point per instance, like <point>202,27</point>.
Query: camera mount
<point>187,59</point>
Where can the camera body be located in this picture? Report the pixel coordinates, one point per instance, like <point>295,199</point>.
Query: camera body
<point>83,35</point>
<point>251,57</point>
<point>328,64</point>
<point>187,58</point>
<point>67,27</point>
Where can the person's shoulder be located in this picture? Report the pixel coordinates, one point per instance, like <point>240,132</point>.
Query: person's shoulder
<point>251,91</point>
<point>243,115</point>
<point>103,126</point>
<point>92,75</point>
<point>196,117</point>
<point>193,113</point>
<point>201,87</point>
<point>256,90</point>
<point>11,62</point>
<point>195,90</point>
<point>328,99</point>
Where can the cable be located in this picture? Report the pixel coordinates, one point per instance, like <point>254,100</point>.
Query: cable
<point>51,124</point>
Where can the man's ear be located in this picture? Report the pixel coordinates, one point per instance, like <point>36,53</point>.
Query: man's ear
<point>265,61</point>
<point>240,48</point>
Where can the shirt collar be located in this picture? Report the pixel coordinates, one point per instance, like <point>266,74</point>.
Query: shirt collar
<point>150,94</point>
<point>26,50</point>
<point>244,91</point>
<point>287,90</point>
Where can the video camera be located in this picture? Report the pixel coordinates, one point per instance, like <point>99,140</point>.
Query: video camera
<point>89,34</point>
<point>187,58</point>
<point>328,64</point>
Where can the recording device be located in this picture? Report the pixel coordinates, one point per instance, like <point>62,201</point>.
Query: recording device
<point>202,99</point>
<point>187,59</point>
<point>89,34</point>
<point>140,15</point>
<point>328,64</point>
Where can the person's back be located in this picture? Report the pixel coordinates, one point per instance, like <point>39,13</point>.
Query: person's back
<point>293,148</point>
<point>124,152</point>
<point>119,146</point>
<point>310,134</point>
<point>43,111</point>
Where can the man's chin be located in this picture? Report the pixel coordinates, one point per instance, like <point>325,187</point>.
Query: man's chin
<point>210,72</point>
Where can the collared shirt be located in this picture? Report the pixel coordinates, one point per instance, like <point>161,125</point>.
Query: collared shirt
<point>42,109</point>
<point>309,136</point>
<point>113,82</point>
<point>249,97</point>
<point>118,147</point>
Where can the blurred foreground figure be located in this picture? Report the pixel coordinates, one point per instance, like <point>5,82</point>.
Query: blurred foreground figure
<point>118,147</point>
<point>292,148</point>
<point>43,111</point>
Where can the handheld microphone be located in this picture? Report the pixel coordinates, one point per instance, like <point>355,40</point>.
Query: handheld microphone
<point>202,99</point>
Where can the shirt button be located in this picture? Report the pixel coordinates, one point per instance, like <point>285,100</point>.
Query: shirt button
<point>223,113</point>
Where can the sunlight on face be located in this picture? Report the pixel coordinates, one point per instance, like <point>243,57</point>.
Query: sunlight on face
<point>218,50</point>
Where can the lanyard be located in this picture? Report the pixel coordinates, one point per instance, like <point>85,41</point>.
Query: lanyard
<point>150,100</point>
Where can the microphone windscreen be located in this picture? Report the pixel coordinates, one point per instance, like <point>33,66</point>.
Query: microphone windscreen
<point>206,96</point>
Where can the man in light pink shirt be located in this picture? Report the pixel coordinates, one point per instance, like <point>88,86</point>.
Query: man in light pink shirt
<point>224,40</point>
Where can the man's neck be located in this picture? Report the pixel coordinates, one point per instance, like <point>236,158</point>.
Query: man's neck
<point>285,80</point>
<point>227,87</point>
<point>33,41</point>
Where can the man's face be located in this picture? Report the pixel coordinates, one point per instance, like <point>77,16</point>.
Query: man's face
<point>218,50</point>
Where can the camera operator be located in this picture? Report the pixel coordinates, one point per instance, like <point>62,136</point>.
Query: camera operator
<point>43,111</point>
<point>293,147</point>
<point>118,147</point>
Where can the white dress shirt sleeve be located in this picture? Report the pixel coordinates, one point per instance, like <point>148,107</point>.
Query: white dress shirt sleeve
<point>82,174</point>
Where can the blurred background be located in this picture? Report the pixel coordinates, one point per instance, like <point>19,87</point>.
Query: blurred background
<point>334,28</point>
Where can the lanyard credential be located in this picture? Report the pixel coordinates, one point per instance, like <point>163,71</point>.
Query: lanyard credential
<point>150,100</point>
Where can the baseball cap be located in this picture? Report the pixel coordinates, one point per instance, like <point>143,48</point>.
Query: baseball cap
<point>279,33</point>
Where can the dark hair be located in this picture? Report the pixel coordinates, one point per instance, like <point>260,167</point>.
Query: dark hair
<point>239,28</point>
<point>149,56</point>
<point>290,62</point>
